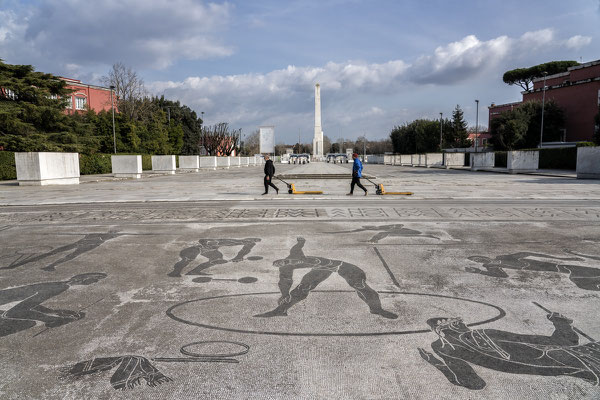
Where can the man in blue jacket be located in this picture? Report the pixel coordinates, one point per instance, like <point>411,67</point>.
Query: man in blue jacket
<point>356,175</point>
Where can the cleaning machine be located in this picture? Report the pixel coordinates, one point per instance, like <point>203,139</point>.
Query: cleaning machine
<point>379,189</point>
<point>292,188</point>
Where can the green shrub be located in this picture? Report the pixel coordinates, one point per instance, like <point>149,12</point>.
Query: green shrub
<point>586,144</point>
<point>500,159</point>
<point>558,158</point>
<point>146,162</point>
<point>90,164</point>
<point>8,170</point>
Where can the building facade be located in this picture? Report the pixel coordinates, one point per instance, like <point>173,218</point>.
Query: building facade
<point>86,97</point>
<point>576,91</point>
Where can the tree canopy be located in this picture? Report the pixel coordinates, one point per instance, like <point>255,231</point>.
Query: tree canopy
<point>525,76</point>
<point>520,128</point>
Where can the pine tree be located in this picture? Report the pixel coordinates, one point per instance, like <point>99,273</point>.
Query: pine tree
<point>459,136</point>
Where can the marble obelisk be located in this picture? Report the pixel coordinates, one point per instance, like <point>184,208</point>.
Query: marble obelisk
<point>318,138</point>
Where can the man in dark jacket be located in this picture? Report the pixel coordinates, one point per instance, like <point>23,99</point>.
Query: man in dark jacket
<point>356,175</point>
<point>269,172</point>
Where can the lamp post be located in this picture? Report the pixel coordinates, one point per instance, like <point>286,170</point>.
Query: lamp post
<point>112,106</point>
<point>476,125</point>
<point>441,131</point>
<point>202,132</point>
<point>543,102</point>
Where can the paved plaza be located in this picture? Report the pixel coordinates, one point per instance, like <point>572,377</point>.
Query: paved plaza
<point>196,286</point>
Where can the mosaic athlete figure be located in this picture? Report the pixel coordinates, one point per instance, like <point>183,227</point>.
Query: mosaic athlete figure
<point>209,248</point>
<point>397,230</point>
<point>320,269</point>
<point>559,354</point>
<point>584,277</point>
<point>89,242</point>
<point>23,307</point>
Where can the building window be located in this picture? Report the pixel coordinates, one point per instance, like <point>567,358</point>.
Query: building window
<point>80,103</point>
<point>69,100</point>
<point>53,96</point>
<point>12,95</point>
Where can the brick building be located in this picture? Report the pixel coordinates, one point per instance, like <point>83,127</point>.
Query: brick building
<point>86,96</point>
<point>576,91</point>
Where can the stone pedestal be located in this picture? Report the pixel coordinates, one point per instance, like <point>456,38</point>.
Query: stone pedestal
<point>522,161</point>
<point>235,161</point>
<point>223,162</point>
<point>482,160</point>
<point>208,162</point>
<point>45,168</point>
<point>588,163</point>
<point>189,163</point>
<point>126,166</point>
<point>454,160</point>
<point>164,164</point>
<point>434,160</point>
<point>405,159</point>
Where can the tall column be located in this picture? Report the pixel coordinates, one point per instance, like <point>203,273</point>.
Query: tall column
<point>318,138</point>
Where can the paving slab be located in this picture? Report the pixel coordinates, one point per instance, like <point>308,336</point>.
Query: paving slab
<point>191,286</point>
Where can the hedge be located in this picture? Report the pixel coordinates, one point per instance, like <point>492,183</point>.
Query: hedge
<point>558,158</point>
<point>8,170</point>
<point>90,164</point>
<point>500,159</point>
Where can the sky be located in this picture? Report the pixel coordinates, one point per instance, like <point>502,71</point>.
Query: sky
<point>380,63</point>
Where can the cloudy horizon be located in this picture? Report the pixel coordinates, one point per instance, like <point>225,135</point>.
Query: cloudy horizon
<point>380,64</point>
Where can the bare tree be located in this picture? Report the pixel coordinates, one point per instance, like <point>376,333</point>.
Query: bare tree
<point>219,141</point>
<point>129,89</point>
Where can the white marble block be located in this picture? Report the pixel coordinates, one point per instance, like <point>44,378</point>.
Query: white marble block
<point>234,161</point>
<point>406,159</point>
<point>454,160</point>
<point>164,164</point>
<point>482,160</point>
<point>588,163</point>
<point>46,168</point>
<point>189,163</point>
<point>208,162</point>
<point>126,166</point>
<point>522,161</point>
<point>434,159</point>
<point>223,162</point>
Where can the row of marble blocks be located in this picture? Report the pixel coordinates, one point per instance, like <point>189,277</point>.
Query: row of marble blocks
<point>588,161</point>
<point>49,168</point>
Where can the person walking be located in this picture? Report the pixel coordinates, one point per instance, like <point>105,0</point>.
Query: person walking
<point>356,175</point>
<point>269,173</point>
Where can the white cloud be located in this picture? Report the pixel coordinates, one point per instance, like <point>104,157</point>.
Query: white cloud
<point>139,33</point>
<point>577,42</point>
<point>284,97</point>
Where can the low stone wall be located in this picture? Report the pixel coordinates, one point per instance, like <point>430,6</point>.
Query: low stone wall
<point>126,166</point>
<point>223,162</point>
<point>418,160</point>
<point>47,168</point>
<point>164,164</point>
<point>588,163</point>
<point>208,162</point>
<point>434,160</point>
<point>189,163</point>
<point>454,160</point>
<point>244,161</point>
<point>405,159</point>
<point>522,161</point>
<point>482,160</point>
<point>388,159</point>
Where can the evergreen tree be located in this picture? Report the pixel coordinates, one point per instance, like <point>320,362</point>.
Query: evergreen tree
<point>459,135</point>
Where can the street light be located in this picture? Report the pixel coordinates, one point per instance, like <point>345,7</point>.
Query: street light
<point>112,106</point>
<point>202,131</point>
<point>441,131</point>
<point>543,101</point>
<point>476,125</point>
